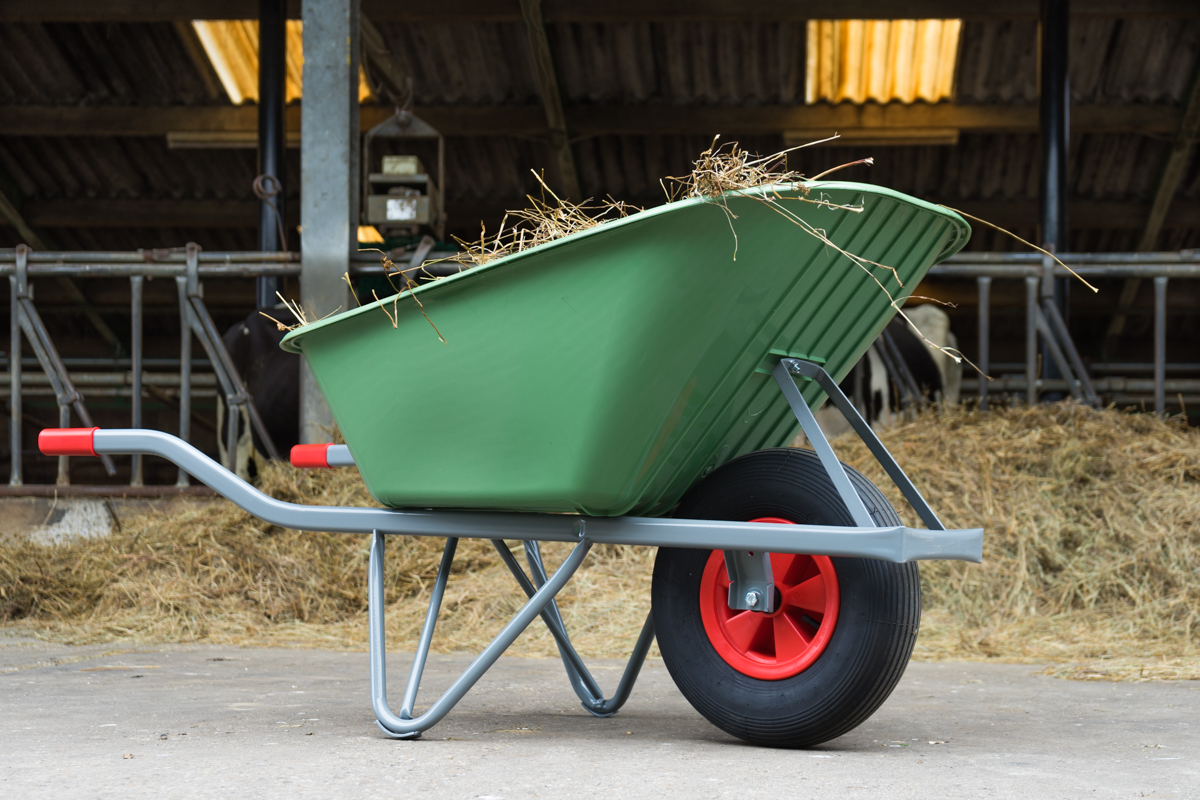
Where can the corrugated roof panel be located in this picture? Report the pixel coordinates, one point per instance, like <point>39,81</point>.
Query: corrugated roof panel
<point>1111,61</point>
<point>858,60</point>
<point>112,64</point>
<point>464,63</point>
<point>232,48</point>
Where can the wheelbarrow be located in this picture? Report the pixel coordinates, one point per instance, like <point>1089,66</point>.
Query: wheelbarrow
<point>634,384</point>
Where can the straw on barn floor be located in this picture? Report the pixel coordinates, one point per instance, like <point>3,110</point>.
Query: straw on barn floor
<point>1092,548</point>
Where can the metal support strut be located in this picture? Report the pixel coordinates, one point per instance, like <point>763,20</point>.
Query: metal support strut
<point>26,320</point>
<point>404,725</point>
<point>196,321</point>
<point>783,373</point>
<point>582,682</point>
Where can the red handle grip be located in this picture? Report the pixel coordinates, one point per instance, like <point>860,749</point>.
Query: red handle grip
<point>67,441</point>
<point>310,456</point>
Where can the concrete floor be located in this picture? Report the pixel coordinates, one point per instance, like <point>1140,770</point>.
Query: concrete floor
<point>227,722</point>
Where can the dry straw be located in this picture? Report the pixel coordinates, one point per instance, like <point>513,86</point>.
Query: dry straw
<point>1091,558</point>
<point>545,220</point>
<point>720,171</point>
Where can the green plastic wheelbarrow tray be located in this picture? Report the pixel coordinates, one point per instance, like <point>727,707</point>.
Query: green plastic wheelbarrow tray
<point>604,373</point>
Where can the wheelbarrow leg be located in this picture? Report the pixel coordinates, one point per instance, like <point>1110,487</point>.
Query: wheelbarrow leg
<point>397,726</point>
<point>585,686</point>
<point>582,682</point>
<point>435,605</point>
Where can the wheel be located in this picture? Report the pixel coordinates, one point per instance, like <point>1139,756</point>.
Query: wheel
<point>843,628</point>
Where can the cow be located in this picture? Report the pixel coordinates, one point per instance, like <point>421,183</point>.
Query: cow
<point>900,369</point>
<point>272,378</point>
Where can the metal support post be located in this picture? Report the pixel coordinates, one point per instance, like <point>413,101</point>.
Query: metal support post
<point>859,393</point>
<point>1160,343</point>
<point>1057,358</point>
<point>328,174</point>
<point>908,383</point>
<point>185,368</point>
<point>270,186</point>
<point>135,352</point>
<point>903,395</point>
<point>1031,331</point>
<point>1057,329</point>
<point>985,292</point>
<point>14,366</point>
<point>1054,108</point>
<point>64,464</point>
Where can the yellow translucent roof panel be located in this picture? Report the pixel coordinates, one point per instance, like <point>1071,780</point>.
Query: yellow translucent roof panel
<point>232,48</point>
<point>856,60</point>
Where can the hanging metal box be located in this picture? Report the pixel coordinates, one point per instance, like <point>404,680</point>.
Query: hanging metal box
<point>386,209</point>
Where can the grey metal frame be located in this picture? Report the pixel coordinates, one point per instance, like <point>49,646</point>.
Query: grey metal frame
<point>982,267</point>
<point>740,541</point>
<point>25,319</point>
<point>195,321</point>
<point>890,543</point>
<point>21,263</point>
<point>1037,271</point>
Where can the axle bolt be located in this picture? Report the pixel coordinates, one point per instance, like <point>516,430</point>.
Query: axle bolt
<point>752,598</point>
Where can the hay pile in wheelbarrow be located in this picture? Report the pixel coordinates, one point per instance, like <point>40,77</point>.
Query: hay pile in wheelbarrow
<point>1091,562</point>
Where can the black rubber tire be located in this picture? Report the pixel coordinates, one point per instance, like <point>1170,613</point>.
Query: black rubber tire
<point>880,610</point>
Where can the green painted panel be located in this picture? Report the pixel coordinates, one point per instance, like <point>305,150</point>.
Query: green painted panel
<point>604,373</point>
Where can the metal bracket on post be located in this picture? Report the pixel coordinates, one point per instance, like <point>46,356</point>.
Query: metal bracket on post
<point>27,320</point>
<point>197,319</point>
<point>751,582</point>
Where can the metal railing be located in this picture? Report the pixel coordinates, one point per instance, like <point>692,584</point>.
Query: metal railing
<point>110,377</point>
<point>1042,318</point>
<point>187,266</point>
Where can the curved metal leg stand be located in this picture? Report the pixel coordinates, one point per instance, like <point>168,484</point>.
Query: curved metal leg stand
<point>629,677</point>
<point>435,605</point>
<point>585,686</point>
<point>399,727</point>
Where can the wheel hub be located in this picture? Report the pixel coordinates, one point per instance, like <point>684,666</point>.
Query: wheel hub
<point>786,641</point>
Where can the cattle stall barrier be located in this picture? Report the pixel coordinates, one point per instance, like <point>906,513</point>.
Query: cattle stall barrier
<point>189,265</point>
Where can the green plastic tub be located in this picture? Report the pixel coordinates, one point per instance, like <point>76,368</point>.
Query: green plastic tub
<point>604,373</point>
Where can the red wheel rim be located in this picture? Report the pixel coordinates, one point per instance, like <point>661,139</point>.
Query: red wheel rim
<point>792,637</point>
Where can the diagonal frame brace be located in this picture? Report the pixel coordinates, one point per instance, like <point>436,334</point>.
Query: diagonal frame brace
<point>585,686</point>
<point>783,372</point>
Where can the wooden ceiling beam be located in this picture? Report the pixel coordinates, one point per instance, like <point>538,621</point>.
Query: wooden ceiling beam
<point>552,106</point>
<point>1164,197</point>
<point>587,10</point>
<point>596,120</point>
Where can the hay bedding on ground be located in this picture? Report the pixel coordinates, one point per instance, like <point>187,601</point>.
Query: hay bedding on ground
<point>1091,561</point>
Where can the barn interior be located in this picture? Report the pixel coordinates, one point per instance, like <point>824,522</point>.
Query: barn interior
<point>130,129</point>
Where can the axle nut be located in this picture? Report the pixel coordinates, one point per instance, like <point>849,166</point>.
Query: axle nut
<point>752,598</point>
